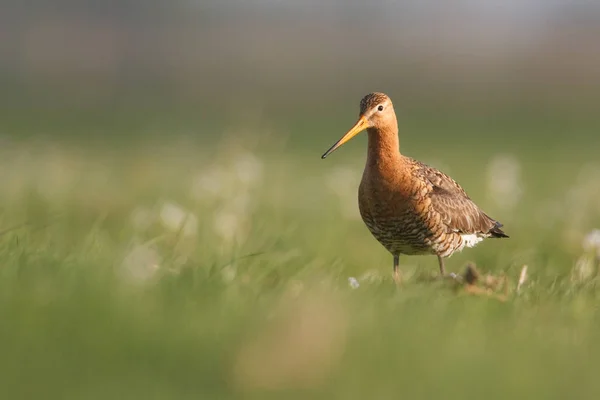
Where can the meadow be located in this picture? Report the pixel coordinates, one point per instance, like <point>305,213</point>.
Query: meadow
<point>168,264</point>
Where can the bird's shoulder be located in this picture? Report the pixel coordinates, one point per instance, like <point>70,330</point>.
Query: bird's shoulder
<point>438,182</point>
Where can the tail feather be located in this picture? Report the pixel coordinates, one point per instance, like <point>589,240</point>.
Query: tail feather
<point>496,232</point>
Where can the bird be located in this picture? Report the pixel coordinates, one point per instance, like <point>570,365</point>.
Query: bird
<point>408,206</point>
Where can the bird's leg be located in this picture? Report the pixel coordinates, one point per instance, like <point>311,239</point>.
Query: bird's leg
<point>396,271</point>
<point>442,268</point>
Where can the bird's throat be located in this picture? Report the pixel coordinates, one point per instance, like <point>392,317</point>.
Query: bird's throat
<point>383,149</point>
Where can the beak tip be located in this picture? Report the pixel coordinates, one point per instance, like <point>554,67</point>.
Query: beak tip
<point>361,125</point>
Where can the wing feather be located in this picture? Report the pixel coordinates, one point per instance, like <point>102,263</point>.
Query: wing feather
<point>456,210</point>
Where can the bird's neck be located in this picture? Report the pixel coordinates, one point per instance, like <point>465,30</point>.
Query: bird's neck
<point>383,148</point>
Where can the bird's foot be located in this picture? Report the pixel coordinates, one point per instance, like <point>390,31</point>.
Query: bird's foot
<point>397,278</point>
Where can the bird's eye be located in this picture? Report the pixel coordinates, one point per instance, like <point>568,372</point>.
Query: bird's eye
<point>380,108</point>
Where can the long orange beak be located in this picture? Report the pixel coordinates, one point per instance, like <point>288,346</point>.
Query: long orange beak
<point>360,126</point>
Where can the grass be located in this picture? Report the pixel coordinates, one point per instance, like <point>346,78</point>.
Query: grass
<point>168,269</point>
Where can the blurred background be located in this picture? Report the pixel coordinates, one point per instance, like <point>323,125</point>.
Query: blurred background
<point>168,229</point>
<point>290,58</point>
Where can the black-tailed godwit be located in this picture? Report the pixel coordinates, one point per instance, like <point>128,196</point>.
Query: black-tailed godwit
<point>409,207</point>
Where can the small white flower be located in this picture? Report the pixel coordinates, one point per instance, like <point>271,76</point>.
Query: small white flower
<point>140,265</point>
<point>172,216</point>
<point>178,219</point>
<point>591,241</point>
<point>212,183</point>
<point>248,168</point>
<point>353,282</point>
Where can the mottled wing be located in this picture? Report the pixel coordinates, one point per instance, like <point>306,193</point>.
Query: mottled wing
<point>456,210</point>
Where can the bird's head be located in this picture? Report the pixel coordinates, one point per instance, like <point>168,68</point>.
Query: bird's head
<point>376,111</point>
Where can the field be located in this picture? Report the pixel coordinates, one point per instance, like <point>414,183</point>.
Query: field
<point>167,264</point>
